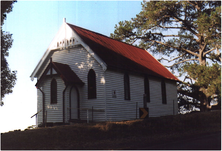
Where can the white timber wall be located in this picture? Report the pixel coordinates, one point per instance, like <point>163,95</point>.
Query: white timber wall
<point>39,107</point>
<point>80,61</point>
<point>67,110</point>
<point>54,111</point>
<point>156,107</point>
<point>171,90</point>
<point>118,108</point>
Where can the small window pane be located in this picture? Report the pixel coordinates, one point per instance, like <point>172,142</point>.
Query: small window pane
<point>163,85</point>
<point>91,84</point>
<point>126,87</point>
<point>146,89</point>
<point>53,91</point>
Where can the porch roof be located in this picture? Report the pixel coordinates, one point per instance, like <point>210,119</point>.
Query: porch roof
<point>65,72</point>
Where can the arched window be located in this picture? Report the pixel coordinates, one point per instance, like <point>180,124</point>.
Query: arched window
<point>126,87</point>
<point>91,84</point>
<point>53,91</point>
<point>163,87</point>
<point>146,89</point>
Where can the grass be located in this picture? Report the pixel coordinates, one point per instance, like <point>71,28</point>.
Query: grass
<point>115,135</point>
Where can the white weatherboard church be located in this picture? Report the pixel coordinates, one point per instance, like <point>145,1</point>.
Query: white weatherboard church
<point>84,75</point>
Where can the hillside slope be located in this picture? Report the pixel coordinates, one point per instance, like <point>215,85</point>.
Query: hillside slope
<point>135,134</point>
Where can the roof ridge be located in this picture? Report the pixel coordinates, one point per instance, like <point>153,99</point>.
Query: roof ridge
<point>131,52</point>
<point>107,37</point>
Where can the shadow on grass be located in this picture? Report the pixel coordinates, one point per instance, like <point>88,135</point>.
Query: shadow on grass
<point>115,135</point>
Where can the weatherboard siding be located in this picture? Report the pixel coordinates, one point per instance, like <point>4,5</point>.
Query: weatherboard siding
<point>171,90</point>
<point>156,107</point>
<point>118,108</point>
<point>66,101</point>
<point>115,108</point>
<point>39,107</point>
<point>54,111</point>
<point>80,61</point>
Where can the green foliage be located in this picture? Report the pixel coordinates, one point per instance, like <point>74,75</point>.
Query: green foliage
<point>8,77</point>
<point>186,33</point>
<point>208,77</point>
<point>194,29</point>
<point>125,28</point>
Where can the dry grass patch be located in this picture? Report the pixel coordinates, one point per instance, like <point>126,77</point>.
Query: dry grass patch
<point>105,126</point>
<point>114,135</point>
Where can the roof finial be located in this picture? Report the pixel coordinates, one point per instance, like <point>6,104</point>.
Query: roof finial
<point>64,20</point>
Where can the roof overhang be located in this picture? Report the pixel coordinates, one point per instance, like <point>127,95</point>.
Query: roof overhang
<point>63,70</point>
<point>65,39</point>
<point>44,60</point>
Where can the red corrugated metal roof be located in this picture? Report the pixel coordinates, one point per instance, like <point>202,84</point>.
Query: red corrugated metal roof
<point>123,56</point>
<point>65,72</point>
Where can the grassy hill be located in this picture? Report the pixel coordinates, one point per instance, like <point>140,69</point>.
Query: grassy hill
<point>134,134</point>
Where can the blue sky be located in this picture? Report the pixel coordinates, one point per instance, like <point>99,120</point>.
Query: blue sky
<point>34,25</point>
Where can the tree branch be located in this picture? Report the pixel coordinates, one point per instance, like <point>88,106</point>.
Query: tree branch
<point>172,27</point>
<point>133,42</point>
<point>180,62</point>
<point>171,59</point>
<point>163,17</point>
<point>183,21</point>
<point>208,51</point>
<point>171,36</point>
<point>165,35</point>
<point>195,54</point>
<point>194,5</point>
<point>151,45</point>
<point>186,77</point>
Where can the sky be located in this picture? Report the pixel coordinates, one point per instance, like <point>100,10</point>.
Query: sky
<point>34,25</point>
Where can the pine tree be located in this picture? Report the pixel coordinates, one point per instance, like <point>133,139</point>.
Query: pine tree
<point>187,34</point>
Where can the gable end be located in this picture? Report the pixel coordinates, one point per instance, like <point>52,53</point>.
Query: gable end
<point>63,70</point>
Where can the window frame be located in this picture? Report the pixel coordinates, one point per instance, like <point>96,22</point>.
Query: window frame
<point>126,86</point>
<point>163,90</point>
<point>147,88</point>
<point>53,91</point>
<point>91,81</point>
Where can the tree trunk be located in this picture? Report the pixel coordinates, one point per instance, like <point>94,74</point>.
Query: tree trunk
<point>202,59</point>
<point>202,92</point>
<point>204,99</point>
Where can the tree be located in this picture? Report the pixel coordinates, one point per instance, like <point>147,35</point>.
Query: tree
<point>189,30</point>
<point>8,77</point>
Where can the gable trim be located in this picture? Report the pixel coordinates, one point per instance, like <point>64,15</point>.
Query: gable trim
<point>44,60</point>
<point>65,46</point>
<point>62,75</point>
<point>102,63</point>
<point>90,51</point>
